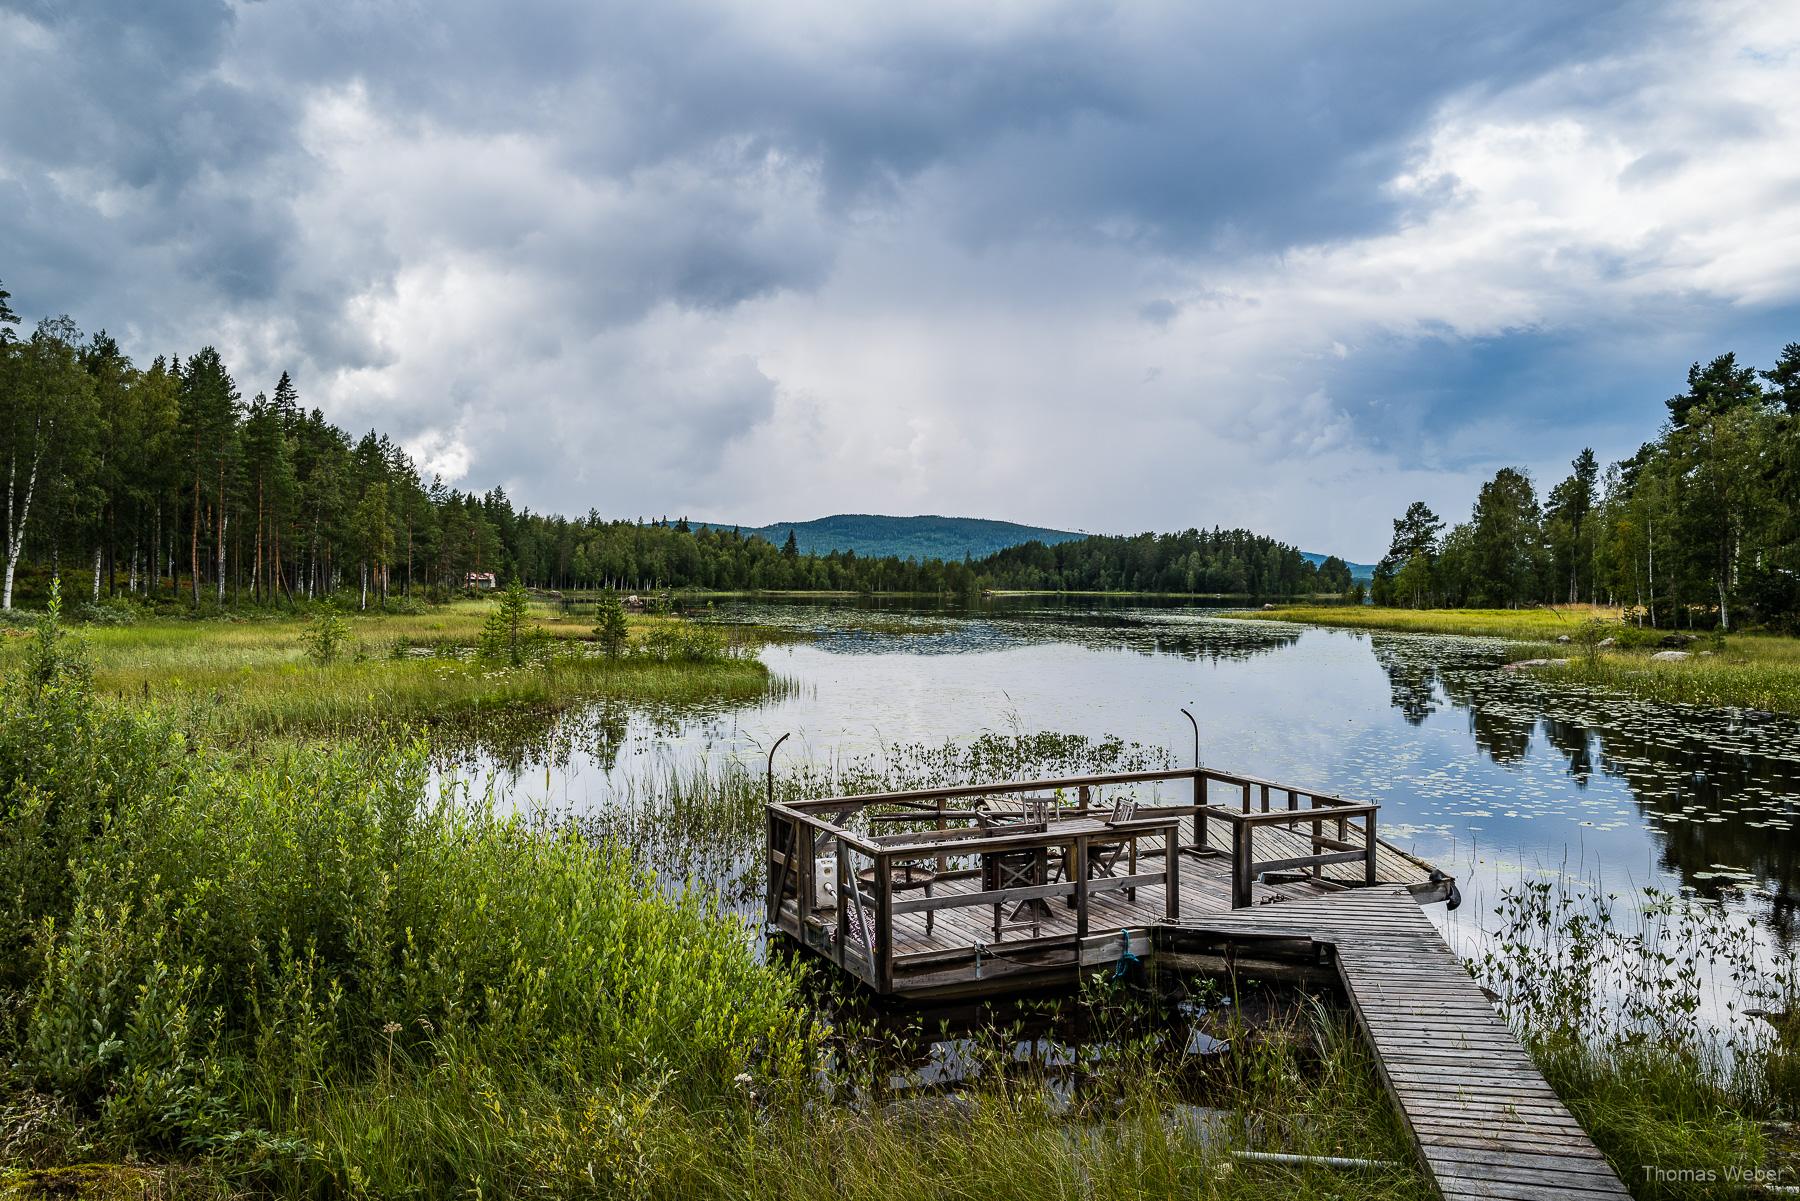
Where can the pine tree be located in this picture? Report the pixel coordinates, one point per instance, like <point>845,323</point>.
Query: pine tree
<point>506,636</point>
<point>611,632</point>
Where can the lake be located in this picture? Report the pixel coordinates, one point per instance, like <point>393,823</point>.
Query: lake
<point>1494,776</point>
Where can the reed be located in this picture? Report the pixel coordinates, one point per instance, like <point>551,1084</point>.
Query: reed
<point>1666,1026</point>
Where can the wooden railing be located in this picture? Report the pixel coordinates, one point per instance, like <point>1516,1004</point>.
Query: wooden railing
<point>804,833</point>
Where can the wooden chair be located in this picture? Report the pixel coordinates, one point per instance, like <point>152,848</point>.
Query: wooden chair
<point>1103,857</point>
<point>904,877</point>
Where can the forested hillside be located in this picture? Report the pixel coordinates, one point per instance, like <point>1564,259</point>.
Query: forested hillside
<point>163,481</point>
<point>1700,527</point>
<point>1229,561</point>
<point>924,537</point>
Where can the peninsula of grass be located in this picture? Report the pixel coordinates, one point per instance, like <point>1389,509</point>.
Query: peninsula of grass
<point>1522,625</point>
<point>250,676</point>
<point>1742,671</point>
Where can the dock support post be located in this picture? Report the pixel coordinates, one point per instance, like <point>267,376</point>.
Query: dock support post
<point>1240,863</point>
<point>884,923</point>
<point>1078,862</point>
<point>1172,870</point>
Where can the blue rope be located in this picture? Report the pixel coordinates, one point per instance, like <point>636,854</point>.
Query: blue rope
<point>1126,958</point>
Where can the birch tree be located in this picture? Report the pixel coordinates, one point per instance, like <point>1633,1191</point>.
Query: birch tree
<point>46,401</point>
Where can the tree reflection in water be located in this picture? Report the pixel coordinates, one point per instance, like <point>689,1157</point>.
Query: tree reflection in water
<point>1719,790</point>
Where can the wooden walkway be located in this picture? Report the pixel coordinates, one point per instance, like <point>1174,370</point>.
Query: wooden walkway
<point>1485,1122</point>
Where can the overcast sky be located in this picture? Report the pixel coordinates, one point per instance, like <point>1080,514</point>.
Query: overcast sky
<point>1286,266</point>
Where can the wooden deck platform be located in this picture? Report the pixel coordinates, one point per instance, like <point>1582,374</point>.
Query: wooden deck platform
<point>1303,888</point>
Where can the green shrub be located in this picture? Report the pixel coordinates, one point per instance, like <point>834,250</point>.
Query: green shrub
<point>112,613</point>
<point>610,629</point>
<point>325,635</point>
<point>680,642</point>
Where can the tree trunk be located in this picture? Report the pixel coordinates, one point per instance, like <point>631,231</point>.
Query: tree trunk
<point>96,575</point>
<point>256,571</point>
<point>224,522</point>
<point>194,543</point>
<point>15,530</point>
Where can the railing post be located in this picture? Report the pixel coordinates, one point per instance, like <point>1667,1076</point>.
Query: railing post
<point>806,880</point>
<point>1246,796</point>
<point>1373,845</point>
<point>844,885</point>
<point>884,923</point>
<point>772,886</point>
<point>1318,872</point>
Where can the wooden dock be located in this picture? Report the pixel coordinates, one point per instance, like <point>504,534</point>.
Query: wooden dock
<point>995,889</point>
<point>1484,1121</point>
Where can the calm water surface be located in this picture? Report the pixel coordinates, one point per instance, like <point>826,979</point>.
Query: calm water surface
<point>1492,775</point>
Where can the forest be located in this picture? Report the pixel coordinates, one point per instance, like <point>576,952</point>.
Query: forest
<point>1699,528</point>
<point>162,483</point>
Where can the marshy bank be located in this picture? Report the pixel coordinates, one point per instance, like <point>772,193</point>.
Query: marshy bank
<point>259,676</point>
<point>1595,647</point>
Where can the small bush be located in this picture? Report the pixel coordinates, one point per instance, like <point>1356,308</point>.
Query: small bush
<point>325,636</point>
<point>683,643</point>
<point>106,613</point>
<point>610,629</point>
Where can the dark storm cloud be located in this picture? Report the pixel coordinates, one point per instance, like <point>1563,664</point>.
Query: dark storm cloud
<point>1172,127</point>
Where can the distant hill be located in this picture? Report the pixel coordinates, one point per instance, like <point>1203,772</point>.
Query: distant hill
<point>1358,571</point>
<point>923,537</point>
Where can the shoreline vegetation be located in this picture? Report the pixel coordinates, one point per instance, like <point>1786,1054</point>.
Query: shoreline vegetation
<point>1756,671</point>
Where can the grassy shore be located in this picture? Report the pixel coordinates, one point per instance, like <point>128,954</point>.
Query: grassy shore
<point>1746,671</point>
<point>247,676</point>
